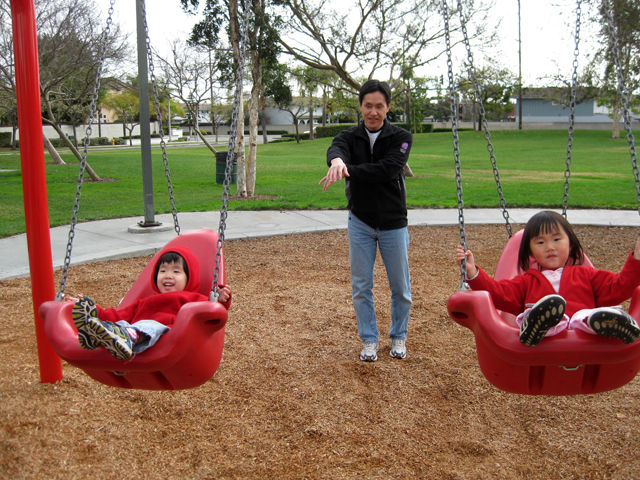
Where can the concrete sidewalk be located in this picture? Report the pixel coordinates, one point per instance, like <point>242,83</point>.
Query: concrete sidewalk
<point>113,239</point>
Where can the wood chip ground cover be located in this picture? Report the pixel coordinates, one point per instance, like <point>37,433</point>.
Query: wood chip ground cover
<point>292,400</point>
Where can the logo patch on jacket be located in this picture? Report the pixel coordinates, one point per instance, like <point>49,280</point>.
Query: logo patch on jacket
<point>403,147</point>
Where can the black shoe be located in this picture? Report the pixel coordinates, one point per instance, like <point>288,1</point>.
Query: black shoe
<point>614,323</point>
<point>546,313</point>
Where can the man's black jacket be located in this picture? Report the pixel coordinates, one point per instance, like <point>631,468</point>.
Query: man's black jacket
<point>375,187</point>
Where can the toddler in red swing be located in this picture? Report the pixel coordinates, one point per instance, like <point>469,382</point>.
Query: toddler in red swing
<point>137,327</point>
<point>560,292</point>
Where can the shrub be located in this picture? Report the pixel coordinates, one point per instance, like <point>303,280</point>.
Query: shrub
<point>5,139</point>
<point>303,136</point>
<point>269,132</point>
<point>332,130</point>
<point>118,141</point>
<point>441,130</point>
<point>95,141</point>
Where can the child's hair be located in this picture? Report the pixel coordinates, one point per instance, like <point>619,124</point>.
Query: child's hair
<point>171,257</point>
<point>546,222</point>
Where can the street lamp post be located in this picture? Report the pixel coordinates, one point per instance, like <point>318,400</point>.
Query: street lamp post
<point>519,71</point>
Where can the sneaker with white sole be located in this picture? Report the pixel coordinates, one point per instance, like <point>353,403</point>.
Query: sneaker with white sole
<point>84,309</point>
<point>546,313</point>
<point>398,348</point>
<point>370,352</point>
<point>614,323</point>
<point>112,337</point>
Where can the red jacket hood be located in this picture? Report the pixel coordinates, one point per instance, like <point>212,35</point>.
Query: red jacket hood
<point>193,285</point>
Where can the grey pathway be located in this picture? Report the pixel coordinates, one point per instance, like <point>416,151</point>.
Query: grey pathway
<point>113,239</point>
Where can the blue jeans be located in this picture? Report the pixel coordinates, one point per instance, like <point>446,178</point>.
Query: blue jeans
<point>394,248</point>
<point>154,330</point>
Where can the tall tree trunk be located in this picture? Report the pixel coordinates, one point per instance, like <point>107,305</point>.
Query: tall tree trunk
<point>234,26</point>
<point>254,109</point>
<point>57,159</point>
<point>324,107</point>
<point>616,118</point>
<point>263,119</point>
<point>13,135</point>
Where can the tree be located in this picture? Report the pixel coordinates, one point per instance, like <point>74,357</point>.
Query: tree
<point>496,86</point>
<point>69,41</point>
<point>308,80</point>
<point>625,15</point>
<point>370,38</point>
<point>297,108</point>
<point>262,49</point>
<point>187,74</point>
<point>127,104</point>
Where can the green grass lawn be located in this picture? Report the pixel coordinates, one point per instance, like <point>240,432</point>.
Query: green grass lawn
<point>531,167</point>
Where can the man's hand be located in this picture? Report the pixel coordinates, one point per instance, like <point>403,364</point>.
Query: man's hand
<point>337,172</point>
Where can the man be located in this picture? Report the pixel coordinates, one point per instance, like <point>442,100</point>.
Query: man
<point>371,158</point>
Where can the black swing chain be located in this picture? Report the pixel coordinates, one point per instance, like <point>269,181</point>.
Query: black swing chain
<point>83,162</point>
<point>624,98</point>
<point>231,153</point>
<point>156,101</point>
<point>572,114</point>
<point>456,146</point>
<point>485,124</point>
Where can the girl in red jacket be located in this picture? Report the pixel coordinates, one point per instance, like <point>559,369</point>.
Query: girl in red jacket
<point>558,291</point>
<point>137,327</point>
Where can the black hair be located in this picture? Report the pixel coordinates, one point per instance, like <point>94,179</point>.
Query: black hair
<point>371,86</point>
<point>546,222</point>
<point>171,257</point>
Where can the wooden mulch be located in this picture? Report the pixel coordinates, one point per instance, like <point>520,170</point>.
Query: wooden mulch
<point>292,400</point>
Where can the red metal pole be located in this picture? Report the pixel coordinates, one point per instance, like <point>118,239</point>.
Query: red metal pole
<point>34,183</point>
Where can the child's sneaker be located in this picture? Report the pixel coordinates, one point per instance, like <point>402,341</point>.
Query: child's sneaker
<point>84,309</point>
<point>111,336</point>
<point>614,323</point>
<point>546,313</point>
<point>370,352</point>
<point>398,348</point>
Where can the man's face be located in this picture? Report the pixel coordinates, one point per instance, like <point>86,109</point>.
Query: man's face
<point>374,109</point>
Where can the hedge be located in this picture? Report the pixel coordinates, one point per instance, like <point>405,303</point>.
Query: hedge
<point>5,139</point>
<point>441,130</point>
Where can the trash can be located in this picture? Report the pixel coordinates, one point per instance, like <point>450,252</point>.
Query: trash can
<point>221,165</point>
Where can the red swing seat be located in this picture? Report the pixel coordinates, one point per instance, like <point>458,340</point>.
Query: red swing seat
<point>185,357</point>
<point>570,363</point>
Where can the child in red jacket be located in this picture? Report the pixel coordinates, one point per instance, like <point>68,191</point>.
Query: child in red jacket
<point>561,292</point>
<point>137,327</point>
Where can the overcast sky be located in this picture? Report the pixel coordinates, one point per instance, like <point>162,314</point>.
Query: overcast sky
<point>547,33</point>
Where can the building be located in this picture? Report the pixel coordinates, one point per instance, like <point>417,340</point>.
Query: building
<point>538,105</point>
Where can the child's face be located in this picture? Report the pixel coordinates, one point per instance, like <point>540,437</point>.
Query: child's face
<point>171,277</point>
<point>551,249</point>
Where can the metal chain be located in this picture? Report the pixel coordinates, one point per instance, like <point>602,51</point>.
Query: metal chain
<point>456,146</point>
<point>231,154</point>
<point>83,162</point>
<point>156,101</point>
<point>572,114</point>
<point>625,99</point>
<point>485,124</point>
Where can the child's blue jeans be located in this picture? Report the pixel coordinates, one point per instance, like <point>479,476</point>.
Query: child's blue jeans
<point>152,329</point>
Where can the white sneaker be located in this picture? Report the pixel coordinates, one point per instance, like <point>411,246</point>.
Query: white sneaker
<point>370,352</point>
<point>398,348</point>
